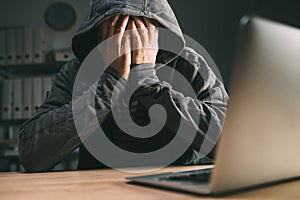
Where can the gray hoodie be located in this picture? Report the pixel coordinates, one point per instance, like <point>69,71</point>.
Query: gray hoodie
<point>50,134</point>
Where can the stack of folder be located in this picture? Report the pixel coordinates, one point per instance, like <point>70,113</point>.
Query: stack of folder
<point>21,97</point>
<point>22,45</point>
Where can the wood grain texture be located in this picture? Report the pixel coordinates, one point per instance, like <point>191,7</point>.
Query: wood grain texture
<point>111,184</point>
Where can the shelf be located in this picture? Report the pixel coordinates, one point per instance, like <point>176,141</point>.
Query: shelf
<point>11,122</point>
<point>29,69</point>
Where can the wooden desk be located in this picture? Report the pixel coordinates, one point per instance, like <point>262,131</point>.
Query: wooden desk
<point>110,184</point>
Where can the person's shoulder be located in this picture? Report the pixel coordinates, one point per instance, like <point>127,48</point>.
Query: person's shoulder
<point>67,73</point>
<point>71,66</point>
<point>190,51</point>
<point>193,57</point>
<point>201,60</point>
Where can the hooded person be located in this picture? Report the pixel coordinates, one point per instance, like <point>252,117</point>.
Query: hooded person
<point>50,135</point>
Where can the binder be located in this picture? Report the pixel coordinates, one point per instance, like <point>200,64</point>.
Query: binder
<point>39,43</point>
<point>9,134</point>
<point>37,93</point>
<point>27,97</point>
<point>17,98</point>
<point>47,83</point>
<point>6,98</point>
<point>28,45</point>
<point>11,46</point>
<point>2,134</point>
<point>63,55</point>
<point>2,47</point>
<point>16,131</point>
<point>19,45</point>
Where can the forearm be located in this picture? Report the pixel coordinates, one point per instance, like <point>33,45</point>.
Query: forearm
<point>51,135</point>
<point>203,114</point>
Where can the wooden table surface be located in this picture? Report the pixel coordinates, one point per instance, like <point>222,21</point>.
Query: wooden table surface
<point>111,184</point>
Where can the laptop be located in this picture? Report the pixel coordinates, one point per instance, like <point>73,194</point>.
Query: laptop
<point>260,141</point>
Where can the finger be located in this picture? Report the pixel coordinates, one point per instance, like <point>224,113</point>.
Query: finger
<point>113,22</point>
<point>142,30</point>
<point>120,30</point>
<point>121,26</point>
<point>152,30</point>
<point>126,44</point>
<point>137,42</point>
<point>102,31</point>
<point>156,23</point>
<point>149,23</point>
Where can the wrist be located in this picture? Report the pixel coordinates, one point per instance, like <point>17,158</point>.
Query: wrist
<point>124,72</point>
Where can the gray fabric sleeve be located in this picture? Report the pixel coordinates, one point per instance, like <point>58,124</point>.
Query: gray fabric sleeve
<point>50,135</point>
<point>210,105</point>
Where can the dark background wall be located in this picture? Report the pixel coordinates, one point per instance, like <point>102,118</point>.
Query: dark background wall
<point>214,23</point>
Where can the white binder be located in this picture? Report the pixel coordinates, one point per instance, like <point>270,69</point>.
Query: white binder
<point>2,47</point>
<point>17,98</point>
<point>27,97</point>
<point>19,45</point>
<point>39,43</point>
<point>37,93</point>
<point>47,83</point>
<point>6,98</point>
<point>28,45</point>
<point>11,46</point>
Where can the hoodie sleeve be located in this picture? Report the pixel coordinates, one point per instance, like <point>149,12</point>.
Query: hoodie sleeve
<point>50,135</point>
<point>210,104</point>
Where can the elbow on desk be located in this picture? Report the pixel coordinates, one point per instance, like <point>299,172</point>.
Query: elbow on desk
<point>31,166</point>
<point>30,158</point>
<point>30,162</point>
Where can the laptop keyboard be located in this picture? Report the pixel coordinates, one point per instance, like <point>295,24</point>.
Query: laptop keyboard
<point>191,177</point>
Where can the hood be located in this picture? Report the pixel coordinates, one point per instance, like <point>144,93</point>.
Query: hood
<point>85,38</point>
